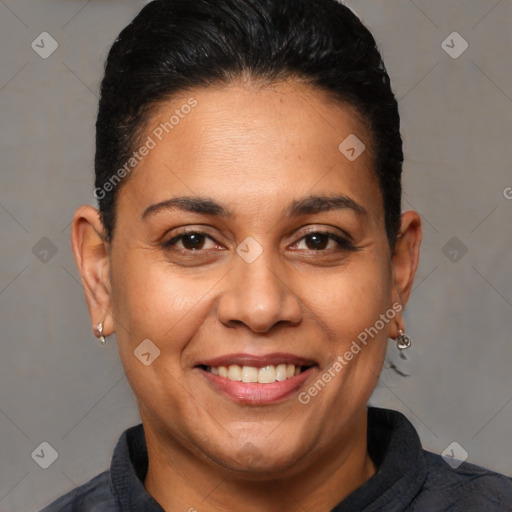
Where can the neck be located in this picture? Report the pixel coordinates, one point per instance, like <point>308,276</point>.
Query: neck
<point>179,481</point>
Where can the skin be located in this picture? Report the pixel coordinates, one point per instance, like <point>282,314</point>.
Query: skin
<point>252,149</point>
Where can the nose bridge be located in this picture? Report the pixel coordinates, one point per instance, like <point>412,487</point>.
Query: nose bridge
<point>256,294</point>
<point>260,277</point>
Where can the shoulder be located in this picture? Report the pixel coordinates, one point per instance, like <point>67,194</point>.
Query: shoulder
<point>93,496</point>
<point>467,487</point>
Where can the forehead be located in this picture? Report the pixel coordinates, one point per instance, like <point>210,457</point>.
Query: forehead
<point>252,146</point>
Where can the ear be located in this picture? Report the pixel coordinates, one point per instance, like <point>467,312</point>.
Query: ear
<point>91,251</point>
<point>404,263</point>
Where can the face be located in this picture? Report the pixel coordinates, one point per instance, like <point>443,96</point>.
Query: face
<point>276,269</point>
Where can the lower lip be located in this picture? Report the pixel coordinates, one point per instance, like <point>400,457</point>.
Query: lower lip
<point>255,393</point>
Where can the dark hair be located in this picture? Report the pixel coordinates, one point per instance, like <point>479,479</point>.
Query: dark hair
<point>175,45</point>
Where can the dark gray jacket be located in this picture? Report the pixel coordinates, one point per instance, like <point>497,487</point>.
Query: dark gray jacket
<point>408,478</point>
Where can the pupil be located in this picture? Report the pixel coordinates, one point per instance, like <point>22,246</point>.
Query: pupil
<point>192,241</point>
<point>320,241</point>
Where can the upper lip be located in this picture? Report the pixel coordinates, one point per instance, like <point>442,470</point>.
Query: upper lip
<point>257,361</point>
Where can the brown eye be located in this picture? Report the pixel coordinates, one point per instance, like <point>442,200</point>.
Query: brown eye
<point>190,241</point>
<point>193,241</point>
<point>317,241</point>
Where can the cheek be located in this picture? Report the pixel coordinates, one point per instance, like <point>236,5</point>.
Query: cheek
<point>151,301</point>
<point>351,300</point>
<point>362,300</point>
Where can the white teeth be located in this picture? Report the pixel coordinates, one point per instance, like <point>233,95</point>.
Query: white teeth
<point>281,372</point>
<point>264,375</point>
<point>249,374</point>
<point>267,374</point>
<point>235,372</point>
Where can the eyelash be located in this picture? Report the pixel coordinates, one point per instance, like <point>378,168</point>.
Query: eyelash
<point>343,244</point>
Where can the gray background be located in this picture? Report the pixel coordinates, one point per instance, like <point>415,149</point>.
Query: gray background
<point>59,386</point>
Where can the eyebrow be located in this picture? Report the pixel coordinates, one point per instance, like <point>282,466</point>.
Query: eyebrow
<point>305,206</point>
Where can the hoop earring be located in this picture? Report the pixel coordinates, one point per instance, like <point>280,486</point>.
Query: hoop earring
<point>99,328</point>
<point>402,341</point>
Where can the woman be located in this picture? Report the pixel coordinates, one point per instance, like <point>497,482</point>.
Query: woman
<point>251,256</point>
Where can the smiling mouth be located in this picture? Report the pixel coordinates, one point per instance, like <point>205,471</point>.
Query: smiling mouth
<point>262,375</point>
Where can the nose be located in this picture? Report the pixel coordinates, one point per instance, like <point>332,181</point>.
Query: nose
<point>258,295</point>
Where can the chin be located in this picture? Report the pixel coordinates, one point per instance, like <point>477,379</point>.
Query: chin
<point>252,462</point>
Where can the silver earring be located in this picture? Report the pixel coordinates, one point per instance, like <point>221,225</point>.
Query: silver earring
<point>100,332</point>
<point>402,341</point>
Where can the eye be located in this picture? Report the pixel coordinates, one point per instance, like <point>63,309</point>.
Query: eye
<point>319,240</point>
<point>191,241</point>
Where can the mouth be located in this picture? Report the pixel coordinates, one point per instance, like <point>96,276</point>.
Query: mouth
<point>263,375</point>
<point>257,380</point>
